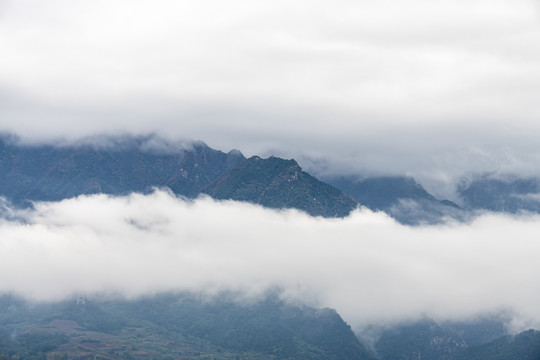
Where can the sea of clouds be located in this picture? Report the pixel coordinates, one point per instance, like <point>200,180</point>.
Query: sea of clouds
<point>368,267</point>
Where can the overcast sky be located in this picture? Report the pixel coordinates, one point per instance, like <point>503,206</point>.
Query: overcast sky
<point>433,89</point>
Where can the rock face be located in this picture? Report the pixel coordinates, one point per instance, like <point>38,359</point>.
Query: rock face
<point>279,183</point>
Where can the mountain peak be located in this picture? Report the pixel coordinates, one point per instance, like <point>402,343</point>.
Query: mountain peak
<point>279,183</point>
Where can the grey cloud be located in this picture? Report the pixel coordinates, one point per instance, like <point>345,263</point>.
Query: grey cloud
<point>368,267</point>
<point>435,90</point>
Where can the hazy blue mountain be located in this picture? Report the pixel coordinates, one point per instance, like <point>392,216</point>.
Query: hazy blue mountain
<point>523,346</point>
<point>279,183</point>
<point>503,193</point>
<point>399,196</point>
<point>47,172</point>
<point>381,192</point>
<point>175,326</point>
<point>52,173</point>
<point>479,331</point>
<point>120,165</point>
<point>424,340</point>
<point>481,339</point>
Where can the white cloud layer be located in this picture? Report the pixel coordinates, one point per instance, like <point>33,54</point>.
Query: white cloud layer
<point>368,267</point>
<point>432,89</point>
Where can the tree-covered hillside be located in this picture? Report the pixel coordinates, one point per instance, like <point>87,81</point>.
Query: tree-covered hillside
<point>279,183</point>
<point>50,173</point>
<point>174,326</point>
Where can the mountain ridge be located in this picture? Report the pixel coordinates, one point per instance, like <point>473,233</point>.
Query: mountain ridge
<point>278,183</point>
<point>120,165</point>
<point>48,173</point>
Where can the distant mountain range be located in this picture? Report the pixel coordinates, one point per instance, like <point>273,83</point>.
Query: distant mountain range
<point>48,173</point>
<point>182,326</point>
<point>121,165</point>
<point>400,197</point>
<point>174,326</point>
<point>186,326</point>
<point>501,193</point>
<point>480,340</point>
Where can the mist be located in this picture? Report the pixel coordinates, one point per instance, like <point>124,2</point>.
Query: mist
<point>371,269</point>
<point>434,90</point>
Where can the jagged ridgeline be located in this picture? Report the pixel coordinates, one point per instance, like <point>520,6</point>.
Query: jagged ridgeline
<point>122,165</point>
<point>279,183</point>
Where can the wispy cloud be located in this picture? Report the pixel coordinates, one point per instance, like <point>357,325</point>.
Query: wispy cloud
<point>367,266</point>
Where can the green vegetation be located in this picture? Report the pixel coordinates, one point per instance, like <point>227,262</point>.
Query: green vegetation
<point>478,340</point>
<point>54,173</point>
<point>279,183</point>
<point>29,173</point>
<point>175,327</point>
<point>524,346</point>
<point>29,346</point>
